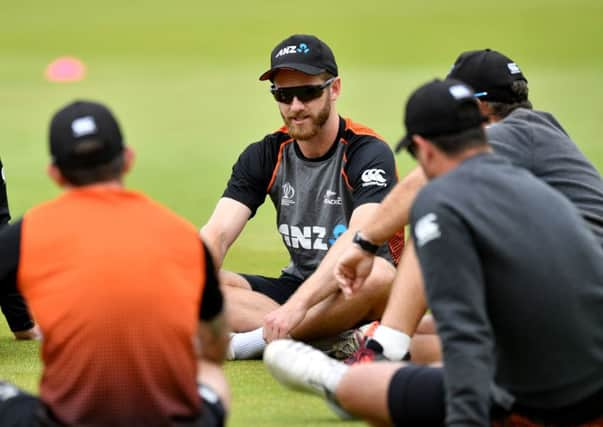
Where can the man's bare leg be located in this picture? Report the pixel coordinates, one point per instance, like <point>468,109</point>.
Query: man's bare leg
<point>363,391</point>
<point>245,308</point>
<point>406,307</point>
<point>338,313</point>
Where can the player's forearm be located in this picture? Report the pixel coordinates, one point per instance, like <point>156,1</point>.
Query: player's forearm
<point>216,244</point>
<point>394,211</point>
<point>322,282</point>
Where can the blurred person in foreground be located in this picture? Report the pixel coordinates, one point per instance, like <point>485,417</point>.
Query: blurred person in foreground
<point>529,138</point>
<point>515,308</point>
<point>124,291</point>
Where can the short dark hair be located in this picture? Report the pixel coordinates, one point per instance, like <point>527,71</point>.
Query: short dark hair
<point>520,90</point>
<point>455,143</point>
<point>108,171</point>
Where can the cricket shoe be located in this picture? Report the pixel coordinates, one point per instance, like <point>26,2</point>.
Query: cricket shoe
<point>369,351</point>
<point>345,345</point>
<point>303,368</point>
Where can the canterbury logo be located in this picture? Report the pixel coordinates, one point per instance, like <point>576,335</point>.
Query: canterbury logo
<point>373,177</point>
<point>427,229</point>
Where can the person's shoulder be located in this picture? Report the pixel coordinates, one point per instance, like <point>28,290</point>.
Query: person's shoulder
<point>354,132</point>
<point>362,141</point>
<point>454,185</point>
<point>527,118</point>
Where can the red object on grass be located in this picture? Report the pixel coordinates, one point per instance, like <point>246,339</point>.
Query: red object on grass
<point>65,69</point>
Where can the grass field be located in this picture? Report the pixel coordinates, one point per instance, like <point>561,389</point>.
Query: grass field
<point>182,77</point>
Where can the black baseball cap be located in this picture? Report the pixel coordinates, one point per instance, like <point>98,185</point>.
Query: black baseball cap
<point>84,134</point>
<point>301,52</point>
<point>490,73</point>
<point>438,108</point>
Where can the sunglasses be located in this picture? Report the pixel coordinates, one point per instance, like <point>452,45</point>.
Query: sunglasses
<point>304,94</point>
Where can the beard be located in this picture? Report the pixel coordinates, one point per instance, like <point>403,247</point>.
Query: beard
<point>311,128</point>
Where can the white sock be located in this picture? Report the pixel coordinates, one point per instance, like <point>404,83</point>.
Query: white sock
<point>334,375</point>
<point>247,345</point>
<point>395,343</point>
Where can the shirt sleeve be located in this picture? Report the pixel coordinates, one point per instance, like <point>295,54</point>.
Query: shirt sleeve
<point>12,303</point>
<point>370,170</point>
<point>251,175</point>
<point>4,212</point>
<point>211,301</point>
<point>456,295</point>
<point>10,245</point>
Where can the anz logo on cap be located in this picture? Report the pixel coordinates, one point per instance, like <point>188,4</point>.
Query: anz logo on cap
<point>83,126</point>
<point>460,91</point>
<point>302,48</point>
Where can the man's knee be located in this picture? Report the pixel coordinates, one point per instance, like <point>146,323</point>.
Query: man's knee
<point>230,279</point>
<point>381,277</point>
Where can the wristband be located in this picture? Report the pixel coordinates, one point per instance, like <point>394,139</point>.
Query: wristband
<point>364,244</point>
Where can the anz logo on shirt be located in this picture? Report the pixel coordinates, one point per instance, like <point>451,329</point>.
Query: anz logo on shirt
<point>309,236</point>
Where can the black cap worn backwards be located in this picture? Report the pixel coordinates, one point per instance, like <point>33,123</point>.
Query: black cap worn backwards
<point>438,108</point>
<point>84,134</point>
<point>301,52</point>
<point>490,73</point>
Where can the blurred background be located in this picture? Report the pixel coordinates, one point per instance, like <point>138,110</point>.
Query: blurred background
<point>182,77</point>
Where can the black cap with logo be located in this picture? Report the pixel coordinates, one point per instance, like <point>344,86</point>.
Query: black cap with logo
<point>301,52</point>
<point>84,134</point>
<point>438,108</point>
<point>490,73</point>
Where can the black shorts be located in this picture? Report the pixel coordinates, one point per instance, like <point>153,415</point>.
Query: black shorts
<point>415,396</point>
<point>277,289</point>
<point>26,410</point>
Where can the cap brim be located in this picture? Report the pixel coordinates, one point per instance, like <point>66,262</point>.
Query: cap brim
<point>403,143</point>
<point>304,68</point>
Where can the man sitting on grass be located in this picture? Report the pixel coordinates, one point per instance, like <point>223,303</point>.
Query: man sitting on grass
<point>124,291</point>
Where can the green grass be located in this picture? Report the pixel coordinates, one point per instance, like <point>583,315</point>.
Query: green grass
<point>182,77</point>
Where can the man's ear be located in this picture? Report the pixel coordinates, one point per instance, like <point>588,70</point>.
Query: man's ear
<point>335,89</point>
<point>129,157</point>
<point>422,144</point>
<point>56,176</point>
<point>486,111</point>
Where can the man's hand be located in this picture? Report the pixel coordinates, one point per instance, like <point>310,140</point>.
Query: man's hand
<point>280,322</point>
<point>352,269</point>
